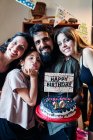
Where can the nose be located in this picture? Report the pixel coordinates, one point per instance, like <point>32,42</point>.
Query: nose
<point>15,48</point>
<point>63,45</point>
<point>34,60</point>
<point>42,43</point>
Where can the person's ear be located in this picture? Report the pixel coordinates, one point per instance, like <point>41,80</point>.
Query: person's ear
<point>22,63</point>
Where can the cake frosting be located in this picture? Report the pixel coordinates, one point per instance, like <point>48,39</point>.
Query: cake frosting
<point>58,107</point>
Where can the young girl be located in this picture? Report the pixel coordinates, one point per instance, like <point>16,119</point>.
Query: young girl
<point>18,98</point>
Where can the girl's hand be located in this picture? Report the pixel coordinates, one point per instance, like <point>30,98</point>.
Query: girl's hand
<point>31,72</point>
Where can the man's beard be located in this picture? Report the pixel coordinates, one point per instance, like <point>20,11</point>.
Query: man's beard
<point>45,56</point>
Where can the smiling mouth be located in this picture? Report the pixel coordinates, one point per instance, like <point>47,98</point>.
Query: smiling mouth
<point>67,50</point>
<point>13,54</point>
<point>46,50</point>
<point>46,53</point>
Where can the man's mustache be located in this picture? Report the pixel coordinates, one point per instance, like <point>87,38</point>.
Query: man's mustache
<point>45,47</point>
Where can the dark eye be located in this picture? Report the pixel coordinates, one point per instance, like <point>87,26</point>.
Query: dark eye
<point>21,47</point>
<point>37,42</point>
<point>38,59</point>
<point>14,43</point>
<point>45,39</point>
<point>67,39</point>
<point>31,57</point>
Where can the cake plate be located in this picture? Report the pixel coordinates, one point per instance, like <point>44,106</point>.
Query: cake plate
<point>57,120</point>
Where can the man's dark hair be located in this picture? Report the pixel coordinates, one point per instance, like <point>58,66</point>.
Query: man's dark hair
<point>40,28</point>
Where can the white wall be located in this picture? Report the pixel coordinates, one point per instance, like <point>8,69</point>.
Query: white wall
<point>12,14</point>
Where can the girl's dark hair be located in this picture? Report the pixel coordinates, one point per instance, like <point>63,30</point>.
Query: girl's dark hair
<point>28,52</point>
<point>29,40</point>
<point>72,34</point>
<point>65,30</point>
<point>27,37</point>
<point>24,56</point>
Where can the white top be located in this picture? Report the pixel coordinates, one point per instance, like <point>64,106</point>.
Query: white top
<point>12,106</point>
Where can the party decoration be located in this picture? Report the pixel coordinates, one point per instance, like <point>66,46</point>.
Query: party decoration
<point>60,15</point>
<point>28,3</point>
<point>58,82</point>
<point>83,31</point>
<point>63,15</point>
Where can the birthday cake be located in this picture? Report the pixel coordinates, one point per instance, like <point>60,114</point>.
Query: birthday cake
<point>58,107</point>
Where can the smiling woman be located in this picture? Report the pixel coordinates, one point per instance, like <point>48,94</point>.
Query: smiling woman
<point>13,49</point>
